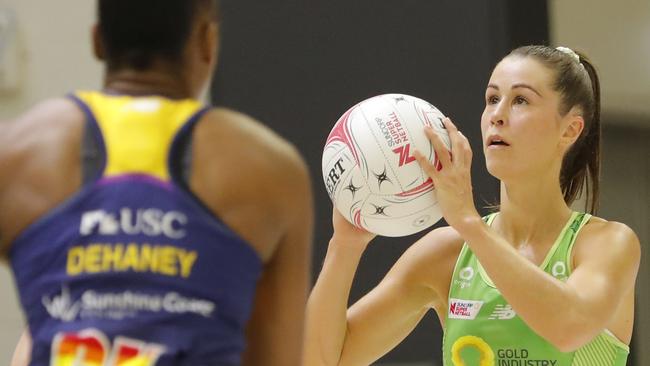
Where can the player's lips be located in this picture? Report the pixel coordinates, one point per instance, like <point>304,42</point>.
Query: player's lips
<point>496,141</point>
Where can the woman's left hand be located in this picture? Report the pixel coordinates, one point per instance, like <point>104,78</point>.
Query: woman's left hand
<point>452,180</point>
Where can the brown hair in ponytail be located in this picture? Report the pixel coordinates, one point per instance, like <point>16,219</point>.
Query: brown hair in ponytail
<point>577,82</point>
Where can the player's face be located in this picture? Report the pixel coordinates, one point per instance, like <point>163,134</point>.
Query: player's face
<point>521,121</point>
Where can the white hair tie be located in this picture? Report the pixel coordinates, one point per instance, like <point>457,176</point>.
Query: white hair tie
<point>569,52</point>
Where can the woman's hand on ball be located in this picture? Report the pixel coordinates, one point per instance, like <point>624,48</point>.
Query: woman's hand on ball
<point>346,233</point>
<point>452,180</point>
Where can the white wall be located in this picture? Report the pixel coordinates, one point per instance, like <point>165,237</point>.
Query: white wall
<point>616,36</point>
<point>56,59</point>
<point>55,37</point>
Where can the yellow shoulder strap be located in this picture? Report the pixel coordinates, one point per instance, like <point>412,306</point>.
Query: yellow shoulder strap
<point>138,131</point>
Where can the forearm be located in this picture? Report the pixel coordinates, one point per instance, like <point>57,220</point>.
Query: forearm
<point>328,303</point>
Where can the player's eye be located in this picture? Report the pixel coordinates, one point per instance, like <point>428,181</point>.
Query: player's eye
<point>492,99</point>
<point>520,100</point>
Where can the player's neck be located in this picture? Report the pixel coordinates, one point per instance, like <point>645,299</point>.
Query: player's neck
<point>531,211</point>
<point>149,82</point>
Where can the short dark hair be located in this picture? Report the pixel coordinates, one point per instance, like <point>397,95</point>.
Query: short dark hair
<point>577,82</point>
<point>136,32</point>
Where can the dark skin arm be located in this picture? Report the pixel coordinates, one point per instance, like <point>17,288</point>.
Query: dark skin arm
<point>38,152</point>
<point>267,200</point>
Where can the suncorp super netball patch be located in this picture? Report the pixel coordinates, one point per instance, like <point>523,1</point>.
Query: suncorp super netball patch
<point>464,309</point>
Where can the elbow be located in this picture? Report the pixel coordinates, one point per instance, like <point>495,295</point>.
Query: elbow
<point>570,338</point>
<point>565,346</point>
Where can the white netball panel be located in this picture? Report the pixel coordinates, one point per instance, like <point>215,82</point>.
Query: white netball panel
<point>417,219</point>
<point>370,170</point>
<point>351,196</point>
<point>338,165</point>
<point>396,207</point>
<point>372,159</point>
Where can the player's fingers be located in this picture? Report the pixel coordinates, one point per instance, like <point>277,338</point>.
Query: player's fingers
<point>467,150</point>
<point>456,139</point>
<point>439,147</point>
<point>449,125</point>
<point>426,165</point>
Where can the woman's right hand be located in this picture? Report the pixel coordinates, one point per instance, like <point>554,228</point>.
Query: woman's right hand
<point>348,234</point>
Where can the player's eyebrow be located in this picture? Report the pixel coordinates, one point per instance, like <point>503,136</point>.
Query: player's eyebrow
<point>515,86</point>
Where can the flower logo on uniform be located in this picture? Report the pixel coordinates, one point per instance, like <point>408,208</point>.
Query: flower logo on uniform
<point>466,273</point>
<point>559,270</point>
<point>486,355</point>
<point>465,276</point>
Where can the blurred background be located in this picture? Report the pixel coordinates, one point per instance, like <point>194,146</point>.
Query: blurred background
<point>298,65</point>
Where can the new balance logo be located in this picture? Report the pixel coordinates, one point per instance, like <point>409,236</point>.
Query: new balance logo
<point>404,154</point>
<point>502,312</point>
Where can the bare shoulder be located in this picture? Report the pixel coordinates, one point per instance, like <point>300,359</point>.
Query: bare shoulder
<point>38,151</point>
<point>252,178</point>
<point>431,260</point>
<point>38,137</point>
<point>253,147</point>
<point>607,239</point>
<point>44,122</point>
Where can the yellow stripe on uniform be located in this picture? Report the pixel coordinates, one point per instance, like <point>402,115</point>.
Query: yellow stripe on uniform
<point>138,132</point>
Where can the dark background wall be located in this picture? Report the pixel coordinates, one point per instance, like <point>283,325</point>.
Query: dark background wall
<point>298,65</point>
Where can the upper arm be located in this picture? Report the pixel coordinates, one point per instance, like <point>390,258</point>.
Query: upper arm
<point>275,331</point>
<point>417,282</point>
<point>36,173</point>
<point>606,264</point>
<point>9,162</point>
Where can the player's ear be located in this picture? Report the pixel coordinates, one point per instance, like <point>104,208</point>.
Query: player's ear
<point>574,125</point>
<point>98,44</point>
<point>209,41</point>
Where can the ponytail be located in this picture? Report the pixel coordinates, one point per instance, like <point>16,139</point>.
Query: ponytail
<point>580,172</point>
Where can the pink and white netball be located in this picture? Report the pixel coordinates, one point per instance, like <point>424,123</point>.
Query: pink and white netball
<point>369,169</point>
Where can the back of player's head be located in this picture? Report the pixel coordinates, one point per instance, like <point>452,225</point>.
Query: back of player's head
<point>134,33</point>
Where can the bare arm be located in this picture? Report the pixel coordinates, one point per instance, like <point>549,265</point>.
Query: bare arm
<point>569,314</point>
<point>385,316</point>
<point>23,350</point>
<point>267,200</point>
<point>605,272</point>
<point>37,170</point>
<point>275,331</point>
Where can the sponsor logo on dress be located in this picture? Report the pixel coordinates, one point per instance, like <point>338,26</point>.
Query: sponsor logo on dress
<point>465,276</point>
<point>502,312</point>
<point>520,357</point>
<point>485,352</point>
<point>62,307</point>
<point>559,270</point>
<point>150,222</point>
<point>121,305</point>
<point>464,309</point>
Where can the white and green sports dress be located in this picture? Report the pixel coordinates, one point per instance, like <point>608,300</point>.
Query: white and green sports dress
<point>481,329</point>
